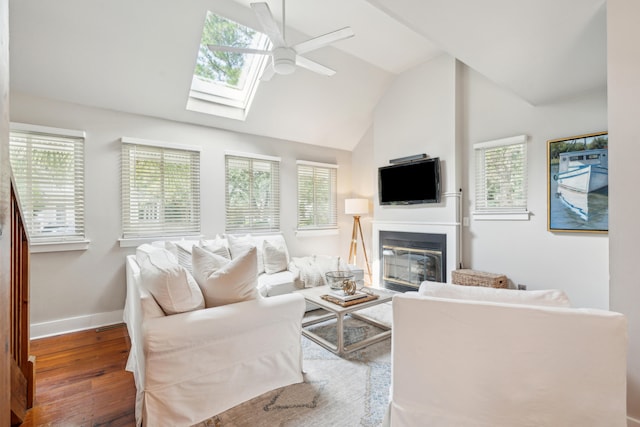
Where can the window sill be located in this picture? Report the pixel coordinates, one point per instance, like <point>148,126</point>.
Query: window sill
<point>81,245</point>
<point>501,216</point>
<point>135,242</point>
<point>317,233</point>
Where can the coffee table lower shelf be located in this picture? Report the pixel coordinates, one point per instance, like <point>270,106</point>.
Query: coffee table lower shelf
<point>335,311</point>
<point>340,348</point>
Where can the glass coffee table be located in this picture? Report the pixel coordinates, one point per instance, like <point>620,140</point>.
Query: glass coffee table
<point>338,312</point>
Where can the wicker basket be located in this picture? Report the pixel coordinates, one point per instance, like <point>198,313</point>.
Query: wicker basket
<point>469,277</point>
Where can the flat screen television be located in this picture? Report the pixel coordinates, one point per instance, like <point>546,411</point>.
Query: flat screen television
<point>410,183</point>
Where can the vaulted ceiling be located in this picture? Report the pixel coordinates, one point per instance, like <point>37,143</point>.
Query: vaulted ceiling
<point>138,56</point>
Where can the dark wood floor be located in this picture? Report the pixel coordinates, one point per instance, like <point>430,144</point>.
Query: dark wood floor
<point>81,381</point>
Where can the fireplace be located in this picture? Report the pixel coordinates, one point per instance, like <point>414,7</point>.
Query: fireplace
<point>407,259</point>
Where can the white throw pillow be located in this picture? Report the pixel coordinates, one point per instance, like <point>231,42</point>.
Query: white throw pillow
<point>217,248</point>
<point>547,297</point>
<point>206,262</point>
<point>274,257</point>
<point>238,245</point>
<point>171,285</point>
<point>144,251</point>
<point>235,282</point>
<point>218,240</point>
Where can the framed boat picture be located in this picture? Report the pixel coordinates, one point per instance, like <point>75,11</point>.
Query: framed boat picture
<point>578,183</point>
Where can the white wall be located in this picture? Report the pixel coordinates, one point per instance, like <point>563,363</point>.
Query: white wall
<point>624,200</point>
<point>363,179</point>
<point>90,284</point>
<point>417,115</point>
<point>524,250</point>
<point>442,108</point>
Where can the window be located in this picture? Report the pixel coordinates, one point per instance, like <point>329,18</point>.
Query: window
<point>501,179</point>
<point>48,167</point>
<point>224,83</point>
<point>160,189</point>
<point>252,193</point>
<point>317,196</point>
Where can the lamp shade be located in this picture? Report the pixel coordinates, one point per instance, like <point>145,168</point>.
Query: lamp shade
<point>356,206</point>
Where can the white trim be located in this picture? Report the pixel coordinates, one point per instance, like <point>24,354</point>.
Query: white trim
<point>632,422</point>
<point>500,142</point>
<point>501,216</point>
<point>252,156</point>
<point>137,241</point>
<point>317,233</point>
<point>77,245</point>
<point>160,144</point>
<point>73,324</point>
<point>317,164</point>
<point>26,127</point>
<point>195,103</point>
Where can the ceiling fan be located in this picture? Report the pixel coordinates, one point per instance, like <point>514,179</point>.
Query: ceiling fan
<point>285,58</point>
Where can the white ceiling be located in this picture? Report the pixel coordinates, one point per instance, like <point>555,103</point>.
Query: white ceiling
<point>138,56</point>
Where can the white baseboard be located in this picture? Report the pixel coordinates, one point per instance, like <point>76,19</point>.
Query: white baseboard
<point>632,422</point>
<point>73,324</point>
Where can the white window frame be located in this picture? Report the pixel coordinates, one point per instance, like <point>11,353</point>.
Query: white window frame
<point>333,196</point>
<point>62,140</point>
<point>516,211</point>
<point>132,235</point>
<point>248,212</point>
<point>211,97</point>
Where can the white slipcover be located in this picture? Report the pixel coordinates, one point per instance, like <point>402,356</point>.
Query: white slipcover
<point>468,363</point>
<point>191,366</point>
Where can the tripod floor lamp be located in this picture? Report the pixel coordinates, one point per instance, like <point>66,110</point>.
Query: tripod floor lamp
<point>357,207</point>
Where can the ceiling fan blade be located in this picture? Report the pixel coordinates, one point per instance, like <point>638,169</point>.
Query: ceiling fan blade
<point>322,41</point>
<point>313,66</point>
<point>268,23</point>
<point>268,73</point>
<point>218,48</point>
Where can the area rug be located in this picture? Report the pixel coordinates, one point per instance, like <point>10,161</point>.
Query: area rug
<point>347,391</point>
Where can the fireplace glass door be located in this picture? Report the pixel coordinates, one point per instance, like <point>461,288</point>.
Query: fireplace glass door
<point>411,266</point>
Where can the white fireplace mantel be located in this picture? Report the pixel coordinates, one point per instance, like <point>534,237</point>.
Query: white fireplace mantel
<point>450,229</point>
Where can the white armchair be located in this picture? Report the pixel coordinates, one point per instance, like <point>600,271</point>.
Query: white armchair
<point>468,362</point>
<point>190,366</point>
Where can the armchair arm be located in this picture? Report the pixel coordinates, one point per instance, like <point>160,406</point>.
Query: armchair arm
<point>200,327</point>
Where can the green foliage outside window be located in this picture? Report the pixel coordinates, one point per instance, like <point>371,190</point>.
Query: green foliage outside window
<point>223,67</point>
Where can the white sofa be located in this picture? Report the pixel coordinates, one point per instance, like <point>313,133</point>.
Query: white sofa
<point>193,365</point>
<point>272,283</point>
<point>468,356</point>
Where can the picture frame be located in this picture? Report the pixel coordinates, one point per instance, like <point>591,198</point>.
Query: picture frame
<point>578,184</point>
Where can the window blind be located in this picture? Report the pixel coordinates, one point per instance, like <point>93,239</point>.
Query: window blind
<point>48,169</point>
<point>501,175</point>
<point>160,191</point>
<point>252,193</point>
<point>317,196</point>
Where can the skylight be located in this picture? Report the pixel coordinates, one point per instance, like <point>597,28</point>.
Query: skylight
<point>224,83</point>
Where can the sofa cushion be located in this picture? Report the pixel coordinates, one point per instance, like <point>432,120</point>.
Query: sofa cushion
<point>550,297</point>
<point>214,247</point>
<point>277,283</point>
<point>205,263</point>
<point>274,257</point>
<point>234,282</point>
<point>183,249</point>
<point>238,245</point>
<point>171,285</point>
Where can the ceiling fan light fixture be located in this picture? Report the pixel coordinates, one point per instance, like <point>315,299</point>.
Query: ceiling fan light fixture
<point>284,60</point>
